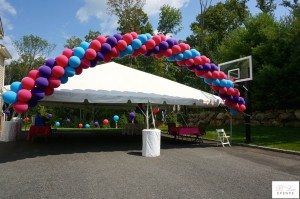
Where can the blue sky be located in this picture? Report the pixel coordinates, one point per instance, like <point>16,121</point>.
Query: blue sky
<point>57,20</point>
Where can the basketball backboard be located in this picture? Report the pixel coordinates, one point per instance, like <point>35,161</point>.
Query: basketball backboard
<point>238,70</point>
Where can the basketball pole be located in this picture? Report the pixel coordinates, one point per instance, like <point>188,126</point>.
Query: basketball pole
<point>247,116</point>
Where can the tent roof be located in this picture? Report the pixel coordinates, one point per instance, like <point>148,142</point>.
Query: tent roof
<point>113,83</point>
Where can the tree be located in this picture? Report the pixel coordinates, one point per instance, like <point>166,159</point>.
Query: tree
<point>266,6</point>
<point>170,20</point>
<point>91,35</point>
<point>31,47</point>
<point>73,42</point>
<point>130,14</point>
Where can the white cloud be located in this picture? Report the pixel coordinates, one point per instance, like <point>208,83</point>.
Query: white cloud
<point>6,7</point>
<point>152,6</point>
<point>92,8</point>
<point>8,43</point>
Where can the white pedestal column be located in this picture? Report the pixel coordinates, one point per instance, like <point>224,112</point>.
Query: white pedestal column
<point>9,131</point>
<point>151,143</point>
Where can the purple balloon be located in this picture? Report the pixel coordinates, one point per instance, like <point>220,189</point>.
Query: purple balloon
<point>213,67</point>
<point>118,36</point>
<point>37,94</point>
<point>41,82</point>
<point>49,115</point>
<point>32,102</point>
<point>163,45</point>
<point>50,62</point>
<point>45,71</point>
<point>68,120</point>
<point>199,68</point>
<point>155,50</point>
<point>96,123</point>
<point>93,63</point>
<point>105,48</point>
<point>7,112</point>
<point>206,67</point>
<point>112,41</point>
<point>170,42</point>
<point>100,57</point>
<point>175,42</point>
<point>131,115</point>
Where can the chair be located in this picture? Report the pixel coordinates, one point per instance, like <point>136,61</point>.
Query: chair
<point>222,137</point>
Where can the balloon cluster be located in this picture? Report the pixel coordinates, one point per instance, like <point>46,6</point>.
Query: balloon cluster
<point>41,82</point>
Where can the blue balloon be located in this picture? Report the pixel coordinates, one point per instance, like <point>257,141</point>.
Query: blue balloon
<point>148,35</point>
<point>136,44</point>
<point>122,53</point>
<point>179,57</point>
<point>208,80</point>
<point>142,38</point>
<point>171,58</point>
<point>187,54</point>
<point>195,53</point>
<point>64,79</point>
<point>85,45</point>
<point>216,82</point>
<point>10,97</point>
<point>87,126</point>
<point>129,50</point>
<point>74,61</point>
<point>69,71</point>
<point>116,118</point>
<point>57,123</point>
<point>223,83</point>
<point>16,86</point>
<point>79,52</point>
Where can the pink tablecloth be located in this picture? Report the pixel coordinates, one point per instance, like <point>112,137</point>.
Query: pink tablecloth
<point>38,130</point>
<point>184,131</point>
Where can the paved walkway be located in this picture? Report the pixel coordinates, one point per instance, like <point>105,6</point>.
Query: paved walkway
<point>94,165</point>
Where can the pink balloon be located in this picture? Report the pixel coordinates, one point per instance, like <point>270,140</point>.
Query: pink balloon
<point>54,82</point>
<point>90,54</point>
<point>230,91</point>
<point>78,70</point>
<point>68,52</point>
<point>20,107</point>
<point>85,63</point>
<point>215,74</point>
<point>198,60</point>
<point>189,62</point>
<point>134,35</point>
<point>34,74</point>
<point>105,121</point>
<point>80,125</point>
<point>58,71</point>
<point>163,37</point>
<point>242,108</point>
<point>24,95</point>
<point>95,44</point>
<point>101,39</point>
<point>157,39</point>
<point>114,52</point>
<point>183,47</point>
<point>28,83</point>
<point>62,60</point>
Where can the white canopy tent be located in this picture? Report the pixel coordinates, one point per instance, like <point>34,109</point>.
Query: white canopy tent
<point>113,83</point>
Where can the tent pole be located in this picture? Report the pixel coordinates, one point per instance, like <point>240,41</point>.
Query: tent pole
<point>147,116</point>
<point>153,119</point>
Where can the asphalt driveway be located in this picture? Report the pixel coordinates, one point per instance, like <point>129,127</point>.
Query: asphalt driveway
<point>110,165</point>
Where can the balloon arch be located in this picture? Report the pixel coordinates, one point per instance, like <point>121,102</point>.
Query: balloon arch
<point>41,82</point>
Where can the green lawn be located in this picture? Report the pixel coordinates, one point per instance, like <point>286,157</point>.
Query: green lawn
<point>275,137</point>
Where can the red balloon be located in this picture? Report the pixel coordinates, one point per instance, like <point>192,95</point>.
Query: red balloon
<point>207,74</point>
<point>143,50</point>
<point>34,74</point>
<point>114,52</point>
<point>68,53</point>
<point>155,111</point>
<point>150,44</point>
<point>230,91</point>
<point>20,107</point>
<point>163,37</point>
<point>101,39</point>
<point>176,49</point>
<point>27,119</point>
<point>58,71</point>
<point>215,74</point>
<point>78,70</point>
<point>95,44</point>
<point>49,91</point>
<point>236,92</point>
<point>189,62</point>
<point>128,38</point>
<point>54,82</point>
<point>222,75</point>
<point>187,46</point>
<point>242,108</point>
<point>200,73</point>
<point>135,53</point>
<point>181,62</point>
<point>24,95</point>
<point>80,125</point>
<point>183,47</point>
<point>90,54</point>
<point>223,90</point>
<point>85,63</point>
<point>215,88</point>
<point>28,83</point>
<point>105,121</point>
<point>121,45</point>
<point>157,39</point>
<point>168,53</point>
<point>62,60</point>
